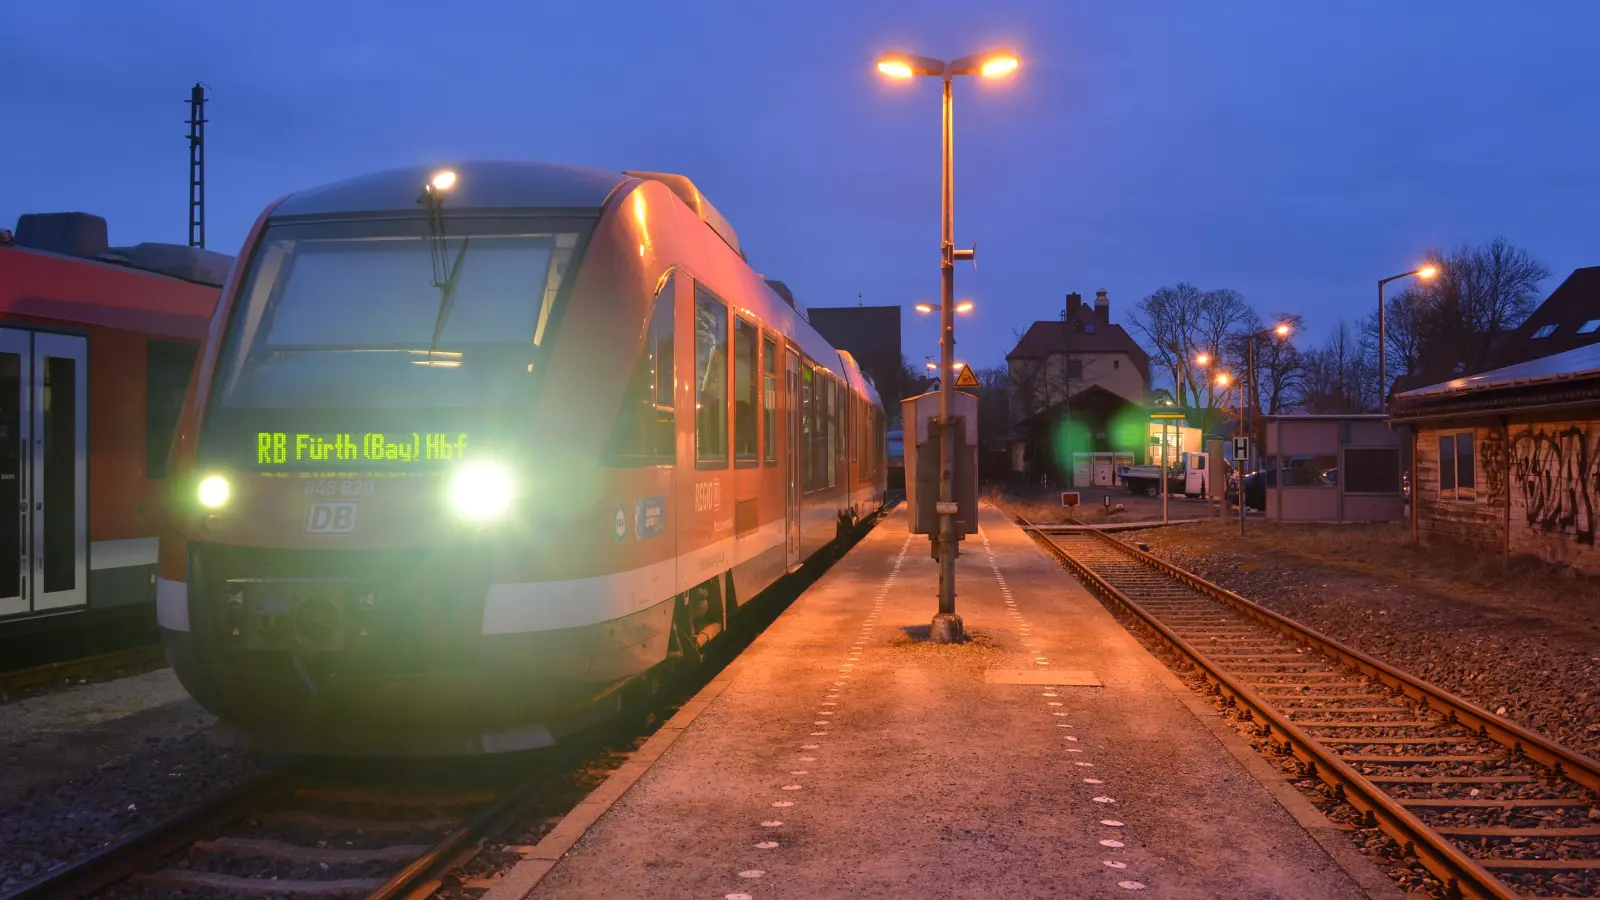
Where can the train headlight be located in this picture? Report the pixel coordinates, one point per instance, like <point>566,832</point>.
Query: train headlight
<point>481,490</point>
<point>213,492</point>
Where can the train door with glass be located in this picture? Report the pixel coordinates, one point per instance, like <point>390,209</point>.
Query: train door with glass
<point>43,471</point>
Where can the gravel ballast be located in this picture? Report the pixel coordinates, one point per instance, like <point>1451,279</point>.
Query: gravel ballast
<point>1516,663</point>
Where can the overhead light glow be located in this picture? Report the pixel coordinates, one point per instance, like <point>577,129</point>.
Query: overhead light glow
<point>444,181</point>
<point>895,68</point>
<point>1203,359</point>
<point>1427,271</point>
<point>1000,66</point>
<point>1223,379</point>
<point>1282,330</point>
<point>964,306</point>
<point>924,307</point>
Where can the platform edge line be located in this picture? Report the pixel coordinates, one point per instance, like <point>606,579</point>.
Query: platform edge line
<point>527,874</point>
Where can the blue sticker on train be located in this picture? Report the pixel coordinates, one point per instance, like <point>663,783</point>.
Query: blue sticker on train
<point>649,517</point>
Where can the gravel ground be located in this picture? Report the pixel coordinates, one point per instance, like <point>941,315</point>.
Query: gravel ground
<point>84,767</point>
<point>1539,670</point>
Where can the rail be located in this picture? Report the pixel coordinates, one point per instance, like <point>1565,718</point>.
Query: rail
<point>1166,613</point>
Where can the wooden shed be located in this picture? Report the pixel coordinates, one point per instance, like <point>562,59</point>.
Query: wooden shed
<point>1508,462</point>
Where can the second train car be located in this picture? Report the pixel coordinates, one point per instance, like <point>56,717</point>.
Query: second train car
<point>472,446</point>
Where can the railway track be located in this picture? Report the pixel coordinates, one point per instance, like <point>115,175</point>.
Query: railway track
<point>313,832</point>
<point>1491,809</point>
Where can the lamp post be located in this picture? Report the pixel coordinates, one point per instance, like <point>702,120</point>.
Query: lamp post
<point>1281,332</point>
<point>1425,273</point>
<point>947,627</point>
<point>1222,381</point>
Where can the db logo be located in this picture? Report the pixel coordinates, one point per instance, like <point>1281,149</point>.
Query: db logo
<point>327,517</point>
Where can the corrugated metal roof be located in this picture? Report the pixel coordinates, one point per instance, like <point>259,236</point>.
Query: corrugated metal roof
<point>1581,363</point>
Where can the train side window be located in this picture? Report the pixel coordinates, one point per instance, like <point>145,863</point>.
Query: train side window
<point>833,433</point>
<point>745,375</point>
<point>710,381</point>
<point>808,425</point>
<point>168,367</point>
<point>645,433</point>
<point>769,399</point>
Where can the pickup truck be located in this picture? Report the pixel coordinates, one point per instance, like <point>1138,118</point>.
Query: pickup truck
<point>1186,476</point>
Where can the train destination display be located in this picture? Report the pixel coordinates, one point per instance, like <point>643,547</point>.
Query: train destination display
<point>278,448</point>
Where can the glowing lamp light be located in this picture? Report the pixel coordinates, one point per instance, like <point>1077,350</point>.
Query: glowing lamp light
<point>443,181</point>
<point>213,492</point>
<point>481,491</point>
<point>1203,359</point>
<point>1000,66</point>
<point>924,307</point>
<point>895,68</point>
<point>1223,379</point>
<point>964,306</point>
<point>1281,331</point>
<point>1427,271</point>
<point>932,367</point>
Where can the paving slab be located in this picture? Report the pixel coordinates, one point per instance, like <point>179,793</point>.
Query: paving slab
<point>842,755</point>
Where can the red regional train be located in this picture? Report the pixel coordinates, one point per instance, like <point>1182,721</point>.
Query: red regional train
<point>472,448</point>
<point>97,345</point>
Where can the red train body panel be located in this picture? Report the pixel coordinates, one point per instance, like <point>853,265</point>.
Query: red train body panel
<point>661,436</point>
<point>95,357</point>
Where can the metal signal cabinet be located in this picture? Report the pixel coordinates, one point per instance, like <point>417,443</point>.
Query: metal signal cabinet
<point>922,461</point>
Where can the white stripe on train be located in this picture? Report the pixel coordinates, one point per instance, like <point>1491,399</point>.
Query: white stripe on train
<point>575,602</point>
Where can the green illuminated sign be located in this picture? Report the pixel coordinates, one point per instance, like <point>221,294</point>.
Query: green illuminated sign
<point>277,448</point>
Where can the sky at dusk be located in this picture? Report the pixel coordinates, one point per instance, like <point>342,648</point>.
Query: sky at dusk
<point>1295,152</point>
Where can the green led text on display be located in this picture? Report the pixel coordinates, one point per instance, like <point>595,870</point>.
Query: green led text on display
<point>277,448</point>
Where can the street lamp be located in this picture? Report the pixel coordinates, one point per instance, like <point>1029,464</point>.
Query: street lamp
<point>947,627</point>
<point>1426,273</point>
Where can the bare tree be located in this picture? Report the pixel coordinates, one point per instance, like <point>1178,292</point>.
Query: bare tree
<point>1181,323</point>
<point>1338,378</point>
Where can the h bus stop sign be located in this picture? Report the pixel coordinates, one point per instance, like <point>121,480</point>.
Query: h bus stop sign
<point>1241,449</point>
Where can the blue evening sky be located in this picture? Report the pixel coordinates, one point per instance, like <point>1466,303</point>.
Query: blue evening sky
<point>1293,151</point>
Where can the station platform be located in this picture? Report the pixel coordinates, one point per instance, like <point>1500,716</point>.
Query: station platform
<point>842,755</point>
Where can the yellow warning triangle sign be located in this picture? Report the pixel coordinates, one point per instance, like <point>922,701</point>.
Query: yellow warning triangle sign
<point>966,378</point>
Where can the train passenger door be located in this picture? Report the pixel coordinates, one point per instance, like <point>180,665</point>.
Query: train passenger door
<point>791,454</point>
<point>43,471</point>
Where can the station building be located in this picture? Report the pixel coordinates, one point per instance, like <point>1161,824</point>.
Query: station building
<point>1080,395</point>
<point>1508,461</point>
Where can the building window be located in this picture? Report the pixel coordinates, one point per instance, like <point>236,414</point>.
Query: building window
<point>744,392</point>
<point>168,365</point>
<point>1371,471</point>
<point>1088,328</point>
<point>1116,364</point>
<point>1457,474</point>
<point>769,399</point>
<point>1074,368</point>
<point>644,434</point>
<point>710,381</point>
<point>1544,332</point>
<point>1310,471</point>
<point>1589,327</point>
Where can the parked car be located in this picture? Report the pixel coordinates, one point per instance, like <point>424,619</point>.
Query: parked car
<point>1255,488</point>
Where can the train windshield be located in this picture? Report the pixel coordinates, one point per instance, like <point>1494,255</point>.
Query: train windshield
<point>349,315</point>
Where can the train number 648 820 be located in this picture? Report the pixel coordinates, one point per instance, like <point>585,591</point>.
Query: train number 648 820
<point>330,487</point>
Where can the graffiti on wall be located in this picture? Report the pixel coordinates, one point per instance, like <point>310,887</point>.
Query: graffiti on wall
<point>1557,474</point>
<point>1492,462</point>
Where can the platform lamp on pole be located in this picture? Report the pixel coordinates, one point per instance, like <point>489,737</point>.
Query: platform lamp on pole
<point>1222,380</point>
<point>947,627</point>
<point>1426,273</point>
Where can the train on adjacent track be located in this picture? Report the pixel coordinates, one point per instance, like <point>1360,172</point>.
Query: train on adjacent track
<point>97,345</point>
<point>473,447</point>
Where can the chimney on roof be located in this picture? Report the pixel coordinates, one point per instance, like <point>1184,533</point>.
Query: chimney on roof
<point>1074,299</point>
<point>1102,308</point>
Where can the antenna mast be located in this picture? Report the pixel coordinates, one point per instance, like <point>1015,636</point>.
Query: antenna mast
<point>197,165</point>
